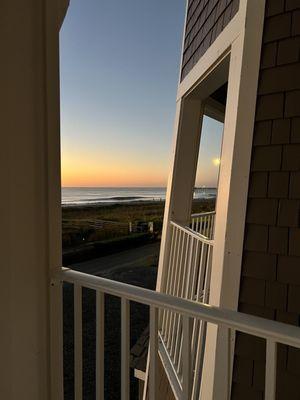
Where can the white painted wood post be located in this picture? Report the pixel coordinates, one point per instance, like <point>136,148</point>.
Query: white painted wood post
<point>153,368</point>
<point>271,367</point>
<point>54,12</point>
<point>186,350</point>
<point>78,341</point>
<point>187,130</point>
<point>125,349</point>
<point>100,320</point>
<point>30,304</point>
<point>233,188</point>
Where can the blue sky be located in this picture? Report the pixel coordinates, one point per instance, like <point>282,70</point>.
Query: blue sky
<point>119,74</point>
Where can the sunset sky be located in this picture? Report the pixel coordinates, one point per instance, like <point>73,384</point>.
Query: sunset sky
<point>119,75</point>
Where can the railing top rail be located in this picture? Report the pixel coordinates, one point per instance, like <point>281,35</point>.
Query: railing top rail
<point>192,233</point>
<point>203,214</point>
<point>268,329</point>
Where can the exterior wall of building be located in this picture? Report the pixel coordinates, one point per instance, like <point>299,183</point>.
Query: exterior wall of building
<point>29,160</point>
<point>205,21</point>
<point>270,281</point>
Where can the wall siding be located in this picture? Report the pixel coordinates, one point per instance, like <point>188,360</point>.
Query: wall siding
<point>205,21</point>
<point>270,281</point>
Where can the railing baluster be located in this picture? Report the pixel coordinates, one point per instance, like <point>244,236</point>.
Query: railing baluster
<point>179,283</point>
<point>202,271</point>
<point>198,358</point>
<point>271,364</point>
<point>193,224</point>
<point>209,227</point>
<point>166,314</point>
<point>100,317</point>
<point>125,349</point>
<point>196,268</point>
<point>171,258</point>
<point>200,225</point>
<point>184,294</point>
<point>186,358</point>
<point>173,289</point>
<point>172,273</point>
<point>198,336</point>
<point>193,292</point>
<point>202,294</point>
<point>153,384</point>
<point>78,341</point>
<point>180,293</point>
<point>206,226</point>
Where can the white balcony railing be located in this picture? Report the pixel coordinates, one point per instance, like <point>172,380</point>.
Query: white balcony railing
<point>204,223</point>
<point>187,310</point>
<point>187,277</point>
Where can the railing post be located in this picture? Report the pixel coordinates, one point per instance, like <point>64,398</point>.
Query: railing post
<point>271,364</point>
<point>100,318</point>
<point>78,340</point>
<point>125,349</point>
<point>153,384</point>
<point>166,314</point>
<point>56,339</point>
<point>186,347</point>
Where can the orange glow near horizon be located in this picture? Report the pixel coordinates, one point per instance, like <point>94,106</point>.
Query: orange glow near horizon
<point>102,163</point>
<point>87,172</point>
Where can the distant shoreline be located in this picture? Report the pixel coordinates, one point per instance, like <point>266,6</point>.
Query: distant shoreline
<point>117,201</point>
<point>96,204</point>
<point>106,196</point>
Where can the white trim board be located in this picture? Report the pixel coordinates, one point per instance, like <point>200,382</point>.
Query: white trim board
<point>240,44</point>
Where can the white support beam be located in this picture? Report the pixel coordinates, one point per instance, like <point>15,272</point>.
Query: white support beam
<point>232,193</point>
<point>187,129</point>
<point>30,221</point>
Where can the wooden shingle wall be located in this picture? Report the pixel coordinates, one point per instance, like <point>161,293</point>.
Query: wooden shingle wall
<point>205,21</point>
<point>270,281</point>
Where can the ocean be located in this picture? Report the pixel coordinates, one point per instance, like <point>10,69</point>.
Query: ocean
<point>101,195</point>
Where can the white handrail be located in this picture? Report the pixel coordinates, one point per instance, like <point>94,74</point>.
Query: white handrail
<point>257,326</point>
<point>203,214</point>
<point>192,233</point>
<point>274,332</point>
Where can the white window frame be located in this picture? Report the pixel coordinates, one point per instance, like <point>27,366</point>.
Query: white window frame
<point>241,40</point>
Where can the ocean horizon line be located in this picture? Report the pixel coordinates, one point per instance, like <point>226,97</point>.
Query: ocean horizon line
<point>125,194</point>
<point>130,187</point>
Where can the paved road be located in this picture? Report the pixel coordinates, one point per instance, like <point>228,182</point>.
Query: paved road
<point>129,259</point>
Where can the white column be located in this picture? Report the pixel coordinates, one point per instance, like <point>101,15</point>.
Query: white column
<point>232,197</point>
<point>30,196</point>
<point>188,122</point>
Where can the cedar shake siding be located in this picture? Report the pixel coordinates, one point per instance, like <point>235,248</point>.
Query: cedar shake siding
<point>270,280</point>
<point>205,21</point>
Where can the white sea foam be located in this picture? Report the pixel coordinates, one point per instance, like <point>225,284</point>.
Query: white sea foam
<point>89,195</point>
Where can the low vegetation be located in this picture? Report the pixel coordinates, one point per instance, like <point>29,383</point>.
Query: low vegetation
<point>97,223</point>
